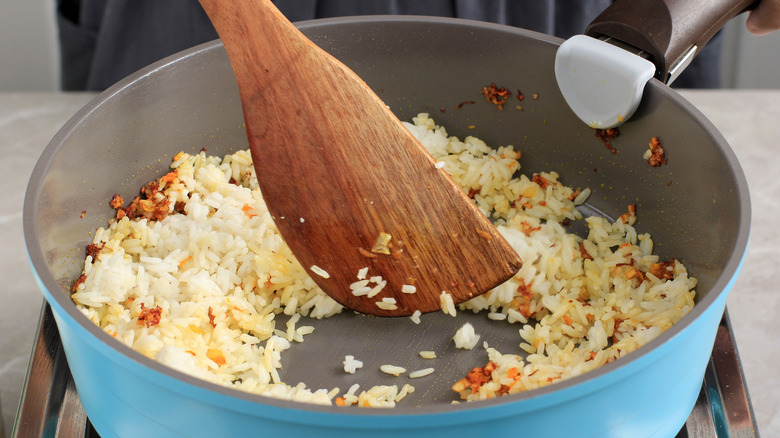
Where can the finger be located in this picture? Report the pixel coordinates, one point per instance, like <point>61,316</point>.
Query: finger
<point>765,18</point>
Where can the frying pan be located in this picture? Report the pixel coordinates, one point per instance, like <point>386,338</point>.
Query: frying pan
<point>696,207</point>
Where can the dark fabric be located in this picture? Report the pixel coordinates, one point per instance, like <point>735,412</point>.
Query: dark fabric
<point>102,41</point>
<point>113,38</point>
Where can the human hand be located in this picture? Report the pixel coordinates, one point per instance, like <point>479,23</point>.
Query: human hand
<point>765,18</point>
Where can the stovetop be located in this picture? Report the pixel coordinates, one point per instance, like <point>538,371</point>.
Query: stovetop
<point>50,405</point>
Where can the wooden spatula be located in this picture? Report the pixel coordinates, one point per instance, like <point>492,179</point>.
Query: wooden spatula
<point>352,192</point>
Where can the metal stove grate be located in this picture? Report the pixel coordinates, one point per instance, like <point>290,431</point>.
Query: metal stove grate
<point>50,406</point>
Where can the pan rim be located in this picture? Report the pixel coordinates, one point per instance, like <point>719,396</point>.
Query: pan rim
<point>575,386</point>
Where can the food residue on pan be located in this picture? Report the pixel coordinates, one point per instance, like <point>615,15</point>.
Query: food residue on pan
<point>194,274</point>
<point>499,96</point>
<point>630,217</point>
<point>655,155</point>
<point>606,136</point>
<point>496,95</point>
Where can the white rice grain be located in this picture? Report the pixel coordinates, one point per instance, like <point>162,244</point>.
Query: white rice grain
<point>497,316</point>
<point>465,337</point>
<point>319,271</point>
<point>358,285</point>
<point>392,369</point>
<point>405,390</point>
<point>376,289</point>
<point>387,303</point>
<point>421,373</point>
<point>351,364</point>
<point>408,289</point>
<point>361,292</point>
<point>447,304</point>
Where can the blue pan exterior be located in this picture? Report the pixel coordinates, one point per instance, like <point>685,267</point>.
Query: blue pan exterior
<point>650,397</point>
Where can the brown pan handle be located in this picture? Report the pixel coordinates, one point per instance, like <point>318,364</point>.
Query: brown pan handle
<point>671,32</point>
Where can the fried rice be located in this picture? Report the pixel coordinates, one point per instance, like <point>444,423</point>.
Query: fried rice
<point>201,287</point>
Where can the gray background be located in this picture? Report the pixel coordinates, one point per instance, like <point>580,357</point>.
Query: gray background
<point>28,50</point>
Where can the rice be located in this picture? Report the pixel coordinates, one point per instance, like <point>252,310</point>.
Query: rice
<point>197,291</point>
<point>408,289</point>
<point>350,397</point>
<point>392,369</point>
<point>361,291</point>
<point>201,291</point>
<point>465,337</point>
<point>447,304</point>
<point>428,354</point>
<point>381,396</point>
<point>358,284</point>
<point>380,284</point>
<point>421,373</point>
<point>497,316</point>
<point>405,390</point>
<point>580,302</point>
<point>319,271</point>
<point>351,364</point>
<point>387,303</point>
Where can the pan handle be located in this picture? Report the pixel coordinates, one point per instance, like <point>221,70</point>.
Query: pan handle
<point>671,32</point>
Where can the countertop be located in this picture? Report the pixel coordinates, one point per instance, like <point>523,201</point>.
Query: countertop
<point>749,120</point>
